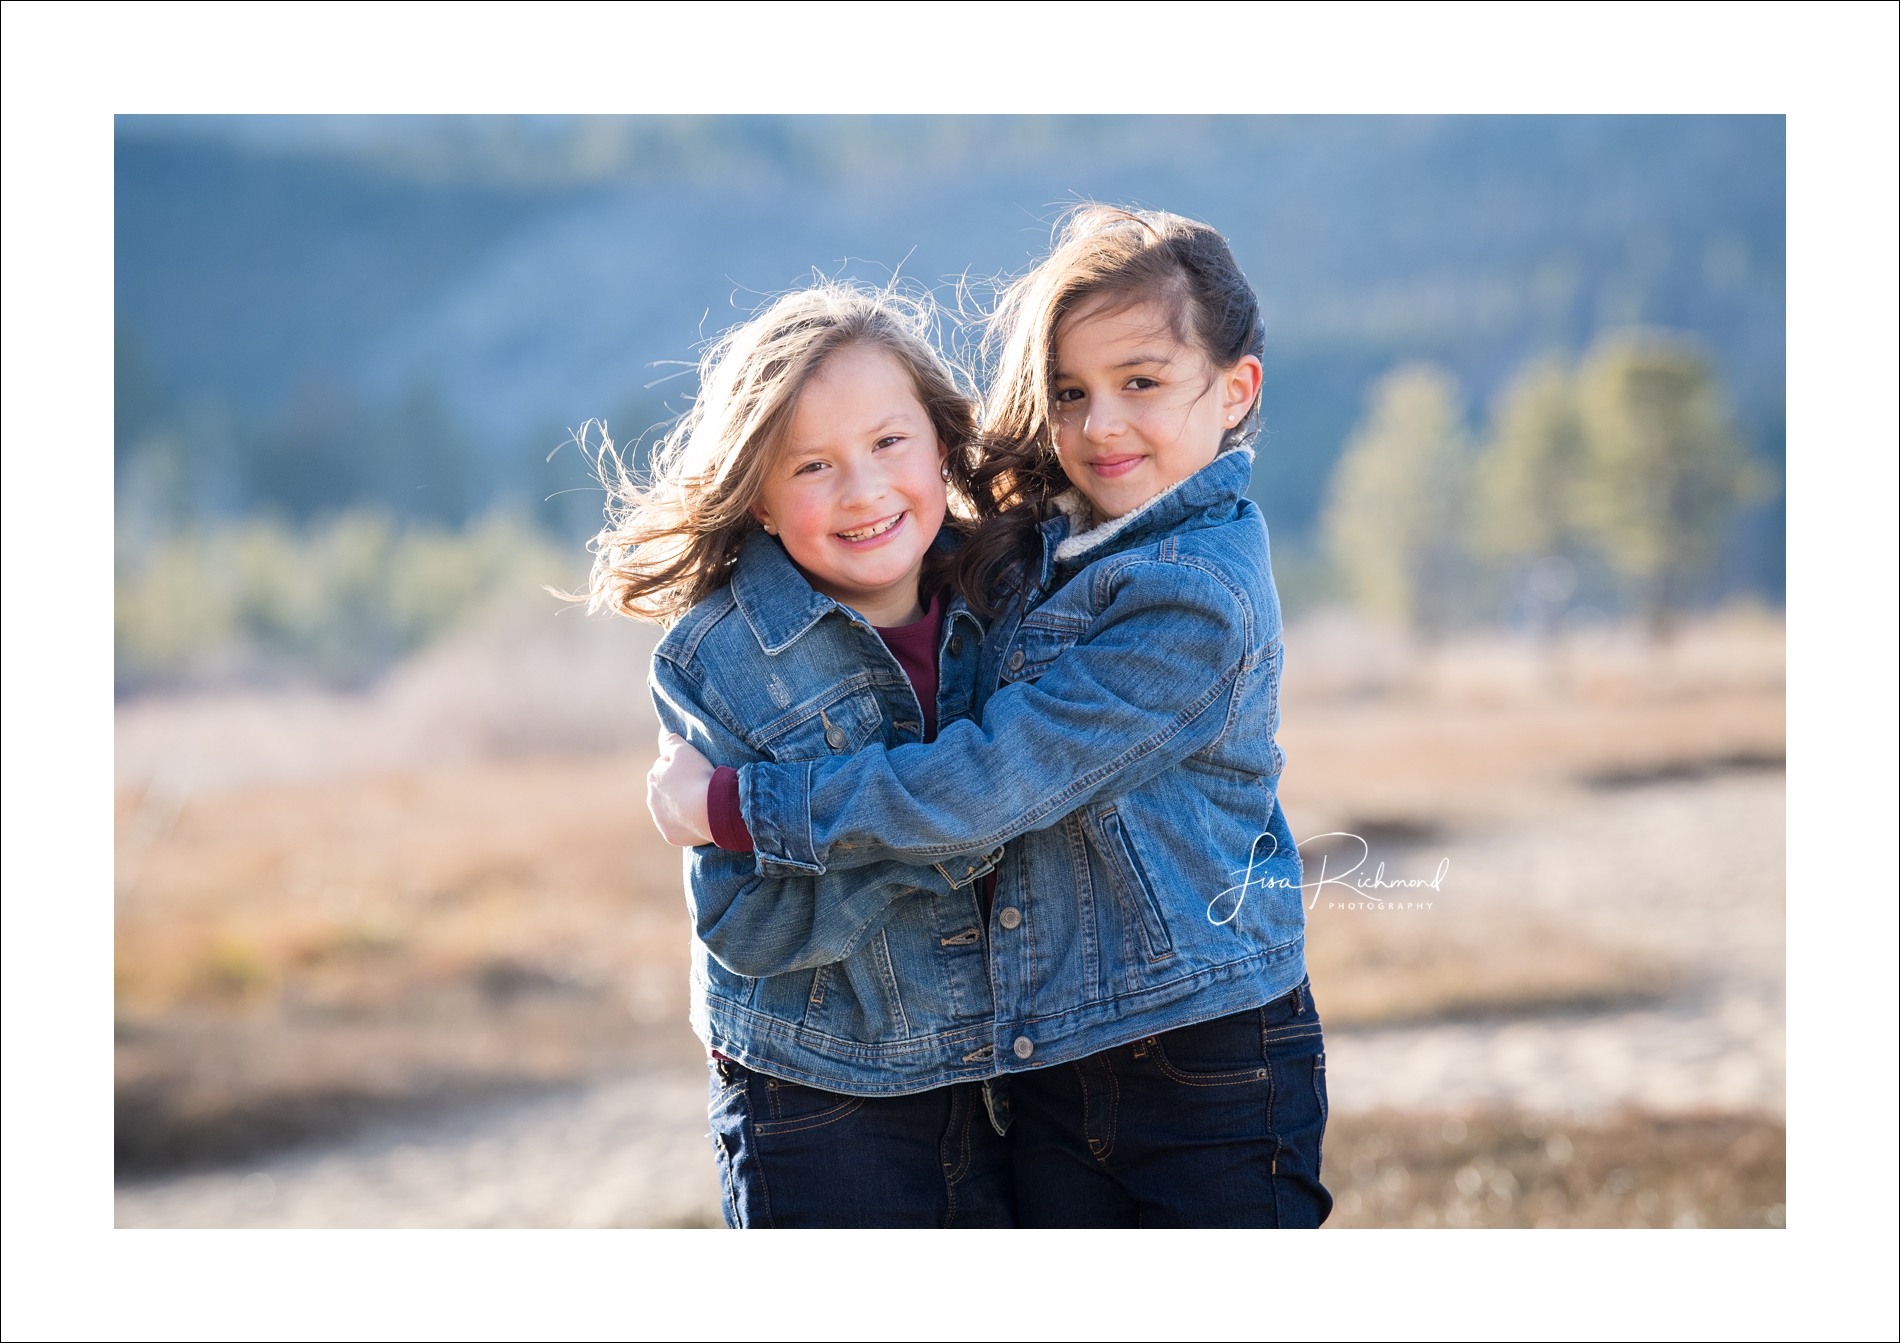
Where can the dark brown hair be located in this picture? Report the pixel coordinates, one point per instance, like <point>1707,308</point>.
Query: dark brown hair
<point>1099,252</point>
<point>673,540</point>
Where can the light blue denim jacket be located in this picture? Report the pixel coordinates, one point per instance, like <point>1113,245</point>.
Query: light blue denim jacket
<point>1125,750</point>
<point>871,980</point>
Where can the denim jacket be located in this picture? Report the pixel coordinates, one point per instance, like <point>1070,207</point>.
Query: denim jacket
<point>1125,750</point>
<point>868,980</point>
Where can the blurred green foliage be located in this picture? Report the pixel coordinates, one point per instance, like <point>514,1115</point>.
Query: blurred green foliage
<point>335,601</point>
<point>1393,522</point>
<point>1664,470</point>
<point>1625,464</point>
<point>1621,468</point>
<point>1532,465</point>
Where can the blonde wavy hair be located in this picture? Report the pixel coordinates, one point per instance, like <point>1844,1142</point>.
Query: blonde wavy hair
<point>671,540</point>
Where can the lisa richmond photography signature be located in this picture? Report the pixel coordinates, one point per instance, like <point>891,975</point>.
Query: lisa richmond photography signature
<point>1347,892</point>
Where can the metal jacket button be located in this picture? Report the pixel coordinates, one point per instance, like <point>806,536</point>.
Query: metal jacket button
<point>956,645</point>
<point>834,737</point>
<point>1023,1047</point>
<point>1010,916</point>
<point>1016,660</point>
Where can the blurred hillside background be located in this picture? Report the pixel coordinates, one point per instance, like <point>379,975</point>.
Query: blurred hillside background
<point>395,940</point>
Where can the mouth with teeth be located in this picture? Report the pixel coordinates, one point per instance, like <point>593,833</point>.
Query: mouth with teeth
<point>878,529</point>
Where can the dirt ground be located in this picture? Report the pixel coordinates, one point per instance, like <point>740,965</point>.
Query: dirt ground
<point>349,947</point>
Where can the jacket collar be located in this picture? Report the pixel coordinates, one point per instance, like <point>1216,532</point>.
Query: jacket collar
<point>776,601</point>
<point>779,606</point>
<point>1218,485</point>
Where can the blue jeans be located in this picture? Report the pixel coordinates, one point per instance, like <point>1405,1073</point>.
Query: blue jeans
<point>795,1156</point>
<point>1216,1124</point>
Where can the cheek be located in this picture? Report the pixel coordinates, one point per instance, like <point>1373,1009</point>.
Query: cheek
<point>1184,431</point>
<point>929,493</point>
<point>803,519</point>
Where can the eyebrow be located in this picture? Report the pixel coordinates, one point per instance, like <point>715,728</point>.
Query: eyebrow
<point>1135,361</point>
<point>895,420</point>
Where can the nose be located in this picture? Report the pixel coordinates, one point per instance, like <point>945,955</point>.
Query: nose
<point>1103,421</point>
<point>861,485</point>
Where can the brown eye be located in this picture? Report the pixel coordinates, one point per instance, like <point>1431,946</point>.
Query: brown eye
<point>1068,396</point>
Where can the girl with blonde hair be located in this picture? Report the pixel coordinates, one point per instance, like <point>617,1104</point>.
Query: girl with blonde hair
<point>796,539</point>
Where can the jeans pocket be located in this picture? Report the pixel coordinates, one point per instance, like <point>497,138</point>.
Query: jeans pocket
<point>1291,1018</point>
<point>1226,1051</point>
<point>791,1107</point>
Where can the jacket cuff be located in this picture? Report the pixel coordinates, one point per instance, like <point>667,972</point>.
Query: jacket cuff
<point>723,817</point>
<point>775,806</point>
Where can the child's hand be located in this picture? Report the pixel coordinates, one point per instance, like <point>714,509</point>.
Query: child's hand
<point>676,792</point>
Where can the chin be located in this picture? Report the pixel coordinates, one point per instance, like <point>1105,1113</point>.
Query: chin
<point>1114,503</point>
<point>869,577</point>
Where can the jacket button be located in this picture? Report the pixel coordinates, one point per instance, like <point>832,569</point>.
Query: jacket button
<point>1016,660</point>
<point>1023,1047</point>
<point>1010,916</point>
<point>834,737</point>
<point>956,645</point>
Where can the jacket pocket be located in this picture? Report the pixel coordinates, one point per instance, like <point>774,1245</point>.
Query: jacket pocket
<point>1038,643</point>
<point>831,727</point>
<point>1137,892</point>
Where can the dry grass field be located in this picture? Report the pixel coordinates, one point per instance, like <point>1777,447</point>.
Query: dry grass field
<point>382,921</point>
<point>292,954</point>
<point>1504,1169</point>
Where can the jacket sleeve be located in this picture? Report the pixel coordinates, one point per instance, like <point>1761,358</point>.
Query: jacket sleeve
<point>758,923</point>
<point>1153,681</point>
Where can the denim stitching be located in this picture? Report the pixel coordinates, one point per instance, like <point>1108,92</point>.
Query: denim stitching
<point>858,686</point>
<point>711,702</point>
<point>822,1119</point>
<point>741,1020</point>
<point>890,981</point>
<point>731,1020</point>
<point>749,1120</point>
<point>739,1014</point>
<point>1319,1094</point>
<point>958,1102</point>
<point>692,638</point>
<point>1144,892</point>
<point>1279,1145</point>
<point>1085,898</point>
<point>1234,1077</point>
<point>1082,1076</point>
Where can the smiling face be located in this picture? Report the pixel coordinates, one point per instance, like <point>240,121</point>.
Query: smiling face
<point>1136,411</point>
<point>857,492</point>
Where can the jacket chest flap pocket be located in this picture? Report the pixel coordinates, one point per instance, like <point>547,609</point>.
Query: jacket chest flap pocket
<point>836,726</point>
<point>1038,643</point>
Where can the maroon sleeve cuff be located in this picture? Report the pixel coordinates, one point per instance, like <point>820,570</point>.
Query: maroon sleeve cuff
<point>722,811</point>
